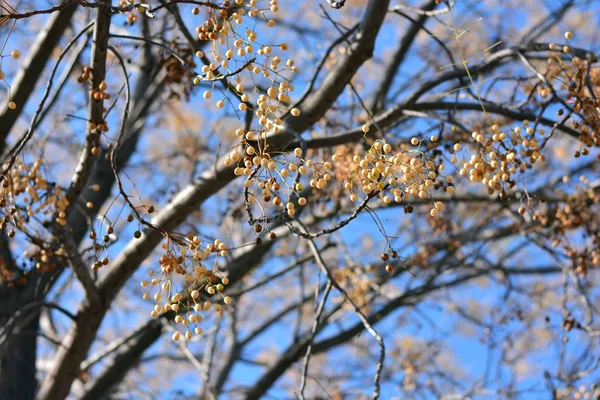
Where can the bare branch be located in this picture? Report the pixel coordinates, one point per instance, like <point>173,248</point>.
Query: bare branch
<point>27,78</point>
<point>57,383</point>
<point>313,332</point>
<point>357,311</point>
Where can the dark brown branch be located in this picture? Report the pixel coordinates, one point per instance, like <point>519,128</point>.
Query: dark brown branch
<point>58,382</point>
<point>127,354</point>
<point>517,115</point>
<point>104,4</point>
<point>359,51</point>
<point>408,38</point>
<point>26,80</point>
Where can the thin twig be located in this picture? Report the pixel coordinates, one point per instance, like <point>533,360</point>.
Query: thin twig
<point>81,270</point>
<point>18,147</point>
<point>113,154</point>
<point>356,309</point>
<point>113,9</point>
<point>312,337</point>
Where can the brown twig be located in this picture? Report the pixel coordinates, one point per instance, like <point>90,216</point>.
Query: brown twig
<point>97,4</point>
<point>357,311</point>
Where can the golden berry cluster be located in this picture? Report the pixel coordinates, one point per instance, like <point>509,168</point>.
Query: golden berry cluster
<point>238,55</point>
<point>232,51</point>
<point>380,171</point>
<point>576,212</point>
<point>25,193</point>
<point>96,94</point>
<point>581,393</point>
<point>99,93</point>
<point>130,5</point>
<point>394,175</point>
<point>500,153</point>
<point>30,205</point>
<point>355,283</point>
<point>184,263</point>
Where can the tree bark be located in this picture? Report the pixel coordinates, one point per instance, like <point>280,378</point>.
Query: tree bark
<point>18,352</point>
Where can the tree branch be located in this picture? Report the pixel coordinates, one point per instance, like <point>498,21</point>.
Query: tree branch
<point>27,78</point>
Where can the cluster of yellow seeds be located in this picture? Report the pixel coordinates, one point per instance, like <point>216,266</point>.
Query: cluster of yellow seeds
<point>184,262</point>
<point>356,284</point>
<point>581,393</point>
<point>380,171</point>
<point>25,193</point>
<point>500,154</point>
<point>232,52</point>
<point>30,204</point>
<point>395,175</point>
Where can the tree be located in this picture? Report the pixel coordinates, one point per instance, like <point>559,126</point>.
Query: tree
<point>329,199</point>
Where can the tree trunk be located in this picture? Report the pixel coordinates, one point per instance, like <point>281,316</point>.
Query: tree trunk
<point>19,347</point>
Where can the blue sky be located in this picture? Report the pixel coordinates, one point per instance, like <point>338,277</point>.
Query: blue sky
<point>469,352</point>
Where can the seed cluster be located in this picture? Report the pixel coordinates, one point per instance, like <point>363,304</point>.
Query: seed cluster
<point>29,205</point>
<point>96,94</point>
<point>576,81</point>
<point>184,262</point>
<point>233,52</point>
<point>395,175</point>
<point>100,92</point>
<point>581,393</point>
<point>25,193</point>
<point>101,246</point>
<point>132,16</point>
<point>577,212</point>
<point>500,154</point>
<point>355,283</point>
<point>380,171</point>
